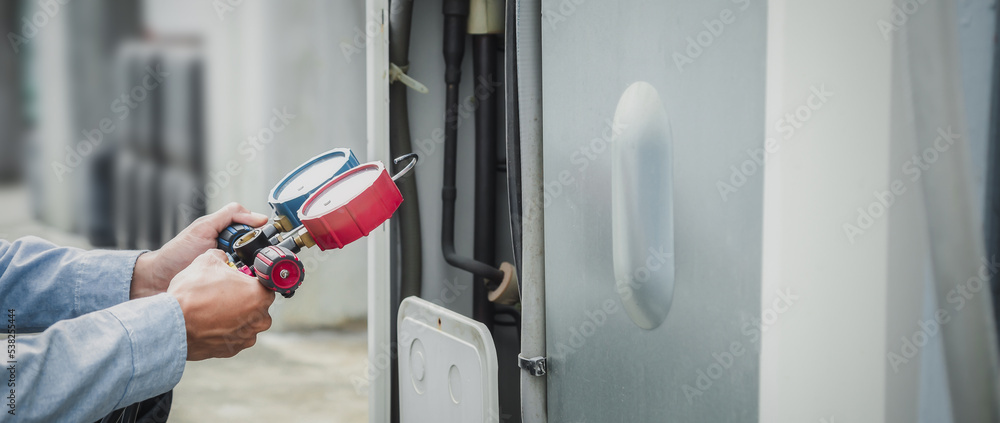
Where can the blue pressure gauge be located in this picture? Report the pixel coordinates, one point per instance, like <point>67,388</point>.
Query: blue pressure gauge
<point>288,195</point>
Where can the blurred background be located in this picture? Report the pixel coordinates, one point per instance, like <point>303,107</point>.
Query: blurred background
<point>123,121</point>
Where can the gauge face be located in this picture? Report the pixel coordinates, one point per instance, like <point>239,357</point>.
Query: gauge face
<point>309,178</point>
<point>350,206</point>
<point>289,194</point>
<point>342,191</point>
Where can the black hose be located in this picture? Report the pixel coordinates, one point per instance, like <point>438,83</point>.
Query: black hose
<point>513,133</point>
<point>514,315</point>
<point>484,64</point>
<point>456,12</point>
<point>408,215</point>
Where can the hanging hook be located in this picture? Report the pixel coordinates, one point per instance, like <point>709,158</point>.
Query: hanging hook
<point>409,166</point>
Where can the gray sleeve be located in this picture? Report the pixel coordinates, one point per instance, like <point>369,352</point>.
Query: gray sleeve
<point>46,283</point>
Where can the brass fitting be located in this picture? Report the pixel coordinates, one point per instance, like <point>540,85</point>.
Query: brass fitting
<point>304,240</point>
<point>282,224</point>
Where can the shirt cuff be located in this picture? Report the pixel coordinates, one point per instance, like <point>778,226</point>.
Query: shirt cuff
<point>155,327</point>
<point>104,279</point>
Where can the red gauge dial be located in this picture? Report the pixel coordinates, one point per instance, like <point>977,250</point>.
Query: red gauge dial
<point>350,206</point>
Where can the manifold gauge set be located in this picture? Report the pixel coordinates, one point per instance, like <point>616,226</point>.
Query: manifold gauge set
<point>329,201</point>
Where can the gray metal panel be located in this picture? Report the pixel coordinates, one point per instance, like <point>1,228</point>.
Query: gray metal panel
<point>609,369</point>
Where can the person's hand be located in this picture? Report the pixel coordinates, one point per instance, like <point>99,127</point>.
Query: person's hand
<point>154,270</point>
<point>223,308</point>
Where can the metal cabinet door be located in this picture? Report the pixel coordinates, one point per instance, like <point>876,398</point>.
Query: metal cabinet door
<point>706,62</point>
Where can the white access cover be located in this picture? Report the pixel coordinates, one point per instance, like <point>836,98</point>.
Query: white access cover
<point>447,366</point>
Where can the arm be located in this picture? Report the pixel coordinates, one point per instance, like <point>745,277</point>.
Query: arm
<point>96,361</point>
<point>46,283</point>
<point>81,369</point>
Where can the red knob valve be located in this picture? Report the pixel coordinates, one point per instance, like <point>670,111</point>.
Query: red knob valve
<point>350,206</point>
<point>279,270</point>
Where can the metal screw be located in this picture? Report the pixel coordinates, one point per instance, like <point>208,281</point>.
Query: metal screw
<point>284,273</point>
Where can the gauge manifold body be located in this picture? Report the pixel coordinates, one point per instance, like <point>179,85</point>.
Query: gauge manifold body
<point>247,246</point>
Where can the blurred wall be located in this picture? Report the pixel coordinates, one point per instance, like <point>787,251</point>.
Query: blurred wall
<point>282,59</point>
<point>45,61</point>
<point>260,60</point>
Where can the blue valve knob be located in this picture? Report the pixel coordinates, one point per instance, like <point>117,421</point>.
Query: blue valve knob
<point>229,236</point>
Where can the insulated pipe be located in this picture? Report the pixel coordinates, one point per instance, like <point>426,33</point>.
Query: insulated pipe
<point>484,52</point>
<point>408,215</point>
<point>456,13</point>
<point>529,71</point>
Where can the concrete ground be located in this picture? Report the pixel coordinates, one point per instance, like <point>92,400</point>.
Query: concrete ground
<point>300,377</point>
<point>285,377</point>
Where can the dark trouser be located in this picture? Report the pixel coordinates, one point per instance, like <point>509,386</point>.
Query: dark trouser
<point>153,410</point>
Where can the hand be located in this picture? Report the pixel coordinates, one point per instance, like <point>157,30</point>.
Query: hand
<point>154,270</point>
<point>223,308</point>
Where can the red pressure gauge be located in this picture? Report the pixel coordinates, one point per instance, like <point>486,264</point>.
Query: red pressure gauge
<point>351,205</point>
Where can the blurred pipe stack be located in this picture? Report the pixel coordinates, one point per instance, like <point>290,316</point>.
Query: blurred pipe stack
<point>10,111</point>
<point>160,164</point>
<point>113,122</point>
